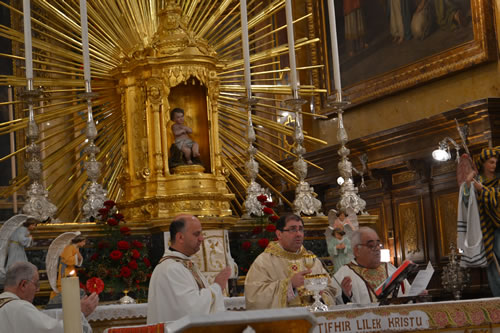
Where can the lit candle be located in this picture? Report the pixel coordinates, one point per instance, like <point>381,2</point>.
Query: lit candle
<point>246,49</point>
<point>85,40</point>
<point>27,39</point>
<point>335,48</point>
<point>291,47</point>
<point>72,312</point>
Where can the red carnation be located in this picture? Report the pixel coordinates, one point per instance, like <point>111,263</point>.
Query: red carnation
<point>271,228</point>
<point>123,245</point>
<point>103,245</point>
<point>274,218</point>
<point>262,198</point>
<point>137,244</point>
<point>263,242</point>
<point>82,286</point>
<point>132,264</point>
<point>118,216</point>
<point>135,254</point>
<point>95,285</point>
<point>125,272</point>
<point>112,222</point>
<point>246,245</point>
<point>109,204</point>
<point>103,212</point>
<point>269,204</point>
<point>94,257</point>
<point>268,211</point>
<point>147,263</point>
<point>116,255</point>
<point>125,230</point>
<point>257,230</point>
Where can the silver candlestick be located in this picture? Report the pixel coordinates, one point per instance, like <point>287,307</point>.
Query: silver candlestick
<point>37,204</point>
<point>305,199</point>
<point>350,201</point>
<point>95,196</point>
<point>454,278</point>
<point>252,205</point>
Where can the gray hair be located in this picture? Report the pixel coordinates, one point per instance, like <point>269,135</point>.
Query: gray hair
<point>356,235</point>
<point>19,271</point>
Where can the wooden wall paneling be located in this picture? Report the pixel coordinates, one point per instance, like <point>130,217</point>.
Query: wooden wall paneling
<point>446,222</point>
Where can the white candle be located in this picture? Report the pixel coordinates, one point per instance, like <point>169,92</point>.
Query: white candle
<point>246,49</point>
<point>291,47</point>
<point>72,312</point>
<point>85,39</point>
<point>335,48</point>
<point>27,39</point>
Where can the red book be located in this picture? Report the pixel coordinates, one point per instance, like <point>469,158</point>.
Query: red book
<point>403,269</point>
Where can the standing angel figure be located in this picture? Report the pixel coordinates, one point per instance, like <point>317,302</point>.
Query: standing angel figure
<point>189,148</point>
<point>62,258</point>
<point>15,235</point>
<point>339,249</point>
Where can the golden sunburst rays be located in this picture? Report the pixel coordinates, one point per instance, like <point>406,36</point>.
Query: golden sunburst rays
<point>116,29</point>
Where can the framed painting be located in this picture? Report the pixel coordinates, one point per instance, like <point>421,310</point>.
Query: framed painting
<point>386,46</point>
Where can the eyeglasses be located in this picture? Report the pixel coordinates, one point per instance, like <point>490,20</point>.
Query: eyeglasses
<point>36,284</point>
<point>294,230</point>
<point>373,245</point>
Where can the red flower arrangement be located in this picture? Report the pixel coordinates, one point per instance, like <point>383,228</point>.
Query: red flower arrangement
<point>119,262</point>
<point>260,236</point>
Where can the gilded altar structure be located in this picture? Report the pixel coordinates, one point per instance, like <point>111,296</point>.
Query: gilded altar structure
<point>176,70</point>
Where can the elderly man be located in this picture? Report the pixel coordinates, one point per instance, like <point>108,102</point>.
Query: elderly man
<point>177,287</point>
<point>361,277</point>
<point>18,314</point>
<point>276,277</point>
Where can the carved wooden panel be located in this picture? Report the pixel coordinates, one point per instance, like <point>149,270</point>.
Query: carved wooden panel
<point>446,216</point>
<point>411,231</point>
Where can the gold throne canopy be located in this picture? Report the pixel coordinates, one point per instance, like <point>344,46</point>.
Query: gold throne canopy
<point>176,70</point>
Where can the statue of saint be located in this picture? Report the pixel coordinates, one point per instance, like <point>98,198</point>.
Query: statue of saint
<point>183,142</point>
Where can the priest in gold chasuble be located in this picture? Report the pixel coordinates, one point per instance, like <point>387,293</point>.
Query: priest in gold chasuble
<point>276,277</point>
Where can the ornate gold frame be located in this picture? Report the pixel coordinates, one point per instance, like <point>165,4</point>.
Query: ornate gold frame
<point>481,49</point>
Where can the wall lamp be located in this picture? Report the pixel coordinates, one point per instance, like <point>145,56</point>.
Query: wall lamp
<point>443,152</point>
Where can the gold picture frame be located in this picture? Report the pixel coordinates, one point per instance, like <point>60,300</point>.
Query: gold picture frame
<point>367,86</point>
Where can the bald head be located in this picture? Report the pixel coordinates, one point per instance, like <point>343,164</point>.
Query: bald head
<point>186,234</point>
<point>365,244</point>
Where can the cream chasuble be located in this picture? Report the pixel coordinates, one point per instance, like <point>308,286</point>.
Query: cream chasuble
<point>268,285</point>
<point>177,288</point>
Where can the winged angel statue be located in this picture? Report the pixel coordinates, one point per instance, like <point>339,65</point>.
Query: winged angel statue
<point>6,232</point>
<point>53,254</point>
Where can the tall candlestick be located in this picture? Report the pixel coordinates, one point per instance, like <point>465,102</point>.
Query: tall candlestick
<point>335,49</point>
<point>27,39</point>
<point>85,40</point>
<point>72,312</point>
<point>246,49</point>
<point>291,48</point>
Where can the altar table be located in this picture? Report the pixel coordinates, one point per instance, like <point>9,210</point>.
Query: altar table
<point>110,315</point>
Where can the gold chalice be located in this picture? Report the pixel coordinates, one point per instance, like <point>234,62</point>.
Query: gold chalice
<point>316,283</point>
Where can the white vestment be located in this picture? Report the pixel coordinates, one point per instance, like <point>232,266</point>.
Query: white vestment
<point>18,316</point>
<point>361,291</point>
<point>18,241</point>
<point>174,291</point>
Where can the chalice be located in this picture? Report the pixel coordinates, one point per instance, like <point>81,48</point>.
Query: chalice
<point>315,283</point>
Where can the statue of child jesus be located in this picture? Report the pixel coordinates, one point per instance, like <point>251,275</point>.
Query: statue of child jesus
<point>181,132</point>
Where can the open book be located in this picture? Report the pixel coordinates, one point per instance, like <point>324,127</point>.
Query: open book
<point>393,281</point>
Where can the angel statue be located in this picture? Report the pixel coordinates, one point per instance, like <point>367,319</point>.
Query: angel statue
<point>338,237</point>
<point>15,235</point>
<point>62,258</point>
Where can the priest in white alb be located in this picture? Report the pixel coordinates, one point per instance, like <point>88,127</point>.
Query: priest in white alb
<point>177,287</point>
<point>365,273</point>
